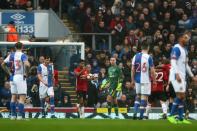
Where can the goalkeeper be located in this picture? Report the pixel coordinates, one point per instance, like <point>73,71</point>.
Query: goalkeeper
<point>113,85</point>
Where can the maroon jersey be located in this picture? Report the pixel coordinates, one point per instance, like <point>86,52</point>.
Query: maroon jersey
<point>82,82</point>
<point>162,76</point>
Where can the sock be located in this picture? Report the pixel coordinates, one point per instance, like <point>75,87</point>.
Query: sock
<point>181,110</point>
<point>116,109</point>
<point>148,108</point>
<point>170,106</point>
<point>21,110</point>
<point>13,108</point>
<point>164,107</point>
<point>42,102</point>
<point>82,110</point>
<point>174,106</point>
<point>52,101</point>
<point>136,105</point>
<point>142,108</point>
<point>109,107</point>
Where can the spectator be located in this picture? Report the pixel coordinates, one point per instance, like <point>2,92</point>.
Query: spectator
<point>2,74</point>
<point>89,21</point>
<point>12,35</point>
<point>43,4</point>
<point>108,16</point>
<point>32,87</point>
<point>102,75</point>
<point>157,54</point>
<point>127,71</point>
<point>28,6</point>
<point>129,92</point>
<point>18,4</point>
<point>93,86</point>
<point>5,95</point>
<point>194,67</point>
<point>41,59</point>
<point>190,101</point>
<point>146,29</point>
<point>172,39</point>
<point>167,50</point>
<point>95,67</point>
<point>184,23</point>
<point>5,4</point>
<point>130,25</point>
<point>80,16</point>
<point>118,50</point>
<point>132,38</point>
<point>192,54</point>
<point>65,100</point>
<point>117,7</point>
<point>129,7</point>
<point>117,27</point>
<point>101,40</point>
<point>167,20</point>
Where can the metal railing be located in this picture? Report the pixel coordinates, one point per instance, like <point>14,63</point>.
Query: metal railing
<point>77,36</point>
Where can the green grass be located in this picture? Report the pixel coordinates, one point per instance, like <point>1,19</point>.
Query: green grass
<point>93,125</point>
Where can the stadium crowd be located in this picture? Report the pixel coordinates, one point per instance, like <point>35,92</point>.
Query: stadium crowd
<point>28,5</point>
<point>130,22</point>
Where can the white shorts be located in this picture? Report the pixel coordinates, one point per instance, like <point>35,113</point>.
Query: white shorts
<point>18,85</point>
<point>179,87</point>
<point>45,91</point>
<point>143,88</point>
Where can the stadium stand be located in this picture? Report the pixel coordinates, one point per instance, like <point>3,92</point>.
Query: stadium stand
<point>129,23</point>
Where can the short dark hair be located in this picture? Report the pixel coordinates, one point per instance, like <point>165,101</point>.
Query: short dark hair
<point>181,34</point>
<point>11,23</point>
<point>81,60</point>
<point>47,57</point>
<point>144,45</point>
<point>18,45</point>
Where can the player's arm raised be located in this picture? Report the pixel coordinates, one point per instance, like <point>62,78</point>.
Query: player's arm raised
<point>78,73</point>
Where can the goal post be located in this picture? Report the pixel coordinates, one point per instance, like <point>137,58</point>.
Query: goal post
<point>61,52</point>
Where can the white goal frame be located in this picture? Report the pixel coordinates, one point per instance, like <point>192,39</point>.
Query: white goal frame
<point>82,45</point>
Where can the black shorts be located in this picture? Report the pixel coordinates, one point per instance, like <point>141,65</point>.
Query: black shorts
<point>81,94</point>
<point>157,96</point>
<point>171,92</point>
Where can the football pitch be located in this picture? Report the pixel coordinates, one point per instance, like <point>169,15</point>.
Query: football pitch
<point>92,125</point>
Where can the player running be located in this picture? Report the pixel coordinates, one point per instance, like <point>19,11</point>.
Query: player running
<point>142,66</point>
<point>179,68</point>
<point>19,67</point>
<point>114,85</point>
<point>46,77</point>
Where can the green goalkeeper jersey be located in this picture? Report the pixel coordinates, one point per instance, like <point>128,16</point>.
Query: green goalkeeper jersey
<point>114,76</point>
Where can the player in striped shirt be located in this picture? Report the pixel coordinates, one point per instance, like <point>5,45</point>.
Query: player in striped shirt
<point>142,67</point>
